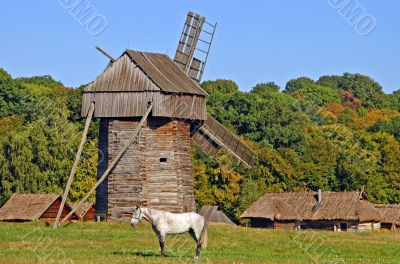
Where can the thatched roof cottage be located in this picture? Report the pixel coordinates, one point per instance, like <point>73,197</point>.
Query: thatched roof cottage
<point>390,214</point>
<point>339,211</point>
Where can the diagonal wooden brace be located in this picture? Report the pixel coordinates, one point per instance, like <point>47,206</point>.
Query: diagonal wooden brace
<point>75,166</point>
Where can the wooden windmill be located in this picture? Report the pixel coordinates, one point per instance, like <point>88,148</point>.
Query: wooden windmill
<point>150,108</point>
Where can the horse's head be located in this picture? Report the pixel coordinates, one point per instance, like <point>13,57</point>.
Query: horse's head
<point>137,216</point>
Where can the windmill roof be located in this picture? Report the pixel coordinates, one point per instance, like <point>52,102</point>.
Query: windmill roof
<point>137,71</point>
<point>333,206</point>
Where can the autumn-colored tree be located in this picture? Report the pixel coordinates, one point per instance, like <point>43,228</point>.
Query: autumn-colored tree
<point>350,101</point>
<point>374,116</point>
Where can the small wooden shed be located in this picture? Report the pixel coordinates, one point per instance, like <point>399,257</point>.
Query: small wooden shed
<point>391,216</point>
<point>213,215</point>
<point>33,207</point>
<point>338,211</point>
<point>85,211</point>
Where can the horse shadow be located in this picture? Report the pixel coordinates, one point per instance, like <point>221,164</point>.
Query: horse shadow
<point>151,254</point>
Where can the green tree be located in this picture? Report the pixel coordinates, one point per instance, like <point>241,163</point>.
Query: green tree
<point>363,87</point>
<point>264,115</point>
<point>45,80</point>
<point>86,173</point>
<point>318,162</point>
<point>391,126</point>
<point>220,86</point>
<point>306,89</point>
<point>387,150</point>
<point>39,156</point>
<point>11,95</point>
<point>296,85</point>
<point>264,89</point>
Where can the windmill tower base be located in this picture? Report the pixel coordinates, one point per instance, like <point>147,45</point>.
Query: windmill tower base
<point>156,172</point>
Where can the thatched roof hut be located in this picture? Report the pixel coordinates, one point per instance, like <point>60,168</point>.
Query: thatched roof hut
<point>306,206</point>
<point>272,208</point>
<point>389,212</point>
<point>214,215</point>
<point>33,207</point>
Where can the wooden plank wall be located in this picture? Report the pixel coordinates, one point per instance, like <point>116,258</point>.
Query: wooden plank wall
<point>128,104</point>
<point>368,226</point>
<point>168,165</point>
<point>51,213</point>
<point>89,215</point>
<point>179,106</point>
<point>125,183</point>
<point>284,225</point>
<point>156,172</point>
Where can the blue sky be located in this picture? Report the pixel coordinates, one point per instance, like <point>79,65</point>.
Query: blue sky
<point>256,41</point>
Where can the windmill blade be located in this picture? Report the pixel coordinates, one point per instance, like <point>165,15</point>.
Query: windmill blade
<point>191,57</point>
<point>212,135</point>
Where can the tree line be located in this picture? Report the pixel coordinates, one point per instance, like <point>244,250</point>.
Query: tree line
<point>339,133</point>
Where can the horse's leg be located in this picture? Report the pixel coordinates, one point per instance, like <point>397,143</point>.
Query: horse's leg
<point>196,238</point>
<point>198,249</point>
<point>161,238</point>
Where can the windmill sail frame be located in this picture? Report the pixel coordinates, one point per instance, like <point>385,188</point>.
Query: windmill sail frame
<point>212,135</point>
<point>189,57</point>
<point>209,134</point>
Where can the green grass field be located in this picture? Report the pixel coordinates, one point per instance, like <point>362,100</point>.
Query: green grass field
<point>119,243</point>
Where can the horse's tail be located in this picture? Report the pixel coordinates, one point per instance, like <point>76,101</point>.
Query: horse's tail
<point>204,235</point>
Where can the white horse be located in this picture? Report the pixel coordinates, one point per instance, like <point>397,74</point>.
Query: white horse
<point>165,223</point>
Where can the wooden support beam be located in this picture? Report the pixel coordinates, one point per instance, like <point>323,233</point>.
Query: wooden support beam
<point>113,163</point>
<point>105,54</point>
<point>75,166</point>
